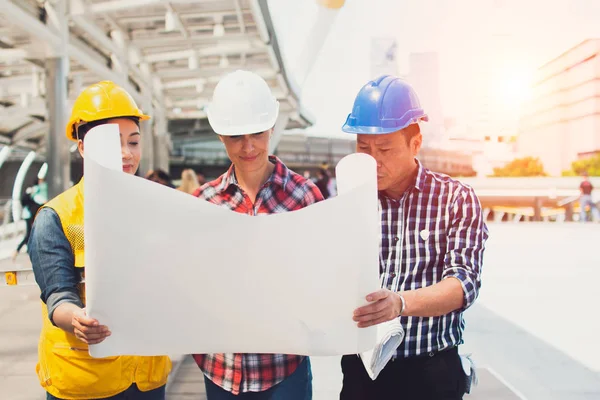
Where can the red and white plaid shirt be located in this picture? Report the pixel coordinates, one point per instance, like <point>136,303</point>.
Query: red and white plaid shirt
<point>284,191</point>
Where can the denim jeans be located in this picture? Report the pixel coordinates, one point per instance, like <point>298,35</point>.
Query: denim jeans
<point>133,393</point>
<point>586,200</point>
<point>29,224</point>
<point>297,386</point>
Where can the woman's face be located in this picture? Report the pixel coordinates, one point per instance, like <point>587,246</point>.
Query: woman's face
<point>131,149</point>
<point>248,152</point>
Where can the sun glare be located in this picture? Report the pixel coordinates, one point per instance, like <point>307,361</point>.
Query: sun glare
<point>513,89</point>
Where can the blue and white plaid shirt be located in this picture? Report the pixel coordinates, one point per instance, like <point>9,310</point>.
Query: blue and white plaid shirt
<point>434,231</point>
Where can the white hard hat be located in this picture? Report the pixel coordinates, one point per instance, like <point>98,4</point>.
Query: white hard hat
<point>242,104</point>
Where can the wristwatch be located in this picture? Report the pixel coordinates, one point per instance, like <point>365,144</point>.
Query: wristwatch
<point>403,303</point>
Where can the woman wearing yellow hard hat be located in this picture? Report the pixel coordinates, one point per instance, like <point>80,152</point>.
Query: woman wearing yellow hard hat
<point>56,249</point>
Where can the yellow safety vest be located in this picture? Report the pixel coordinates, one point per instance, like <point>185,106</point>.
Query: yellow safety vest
<point>65,368</point>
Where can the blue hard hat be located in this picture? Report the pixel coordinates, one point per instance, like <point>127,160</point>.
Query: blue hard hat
<point>384,105</point>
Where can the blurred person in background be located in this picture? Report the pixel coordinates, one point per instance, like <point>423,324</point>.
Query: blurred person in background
<point>322,182</point>
<point>189,181</point>
<point>57,251</point>
<point>149,175</point>
<point>331,182</point>
<point>585,200</point>
<point>160,176</point>
<point>30,209</point>
<point>39,192</point>
<point>332,186</point>
<point>163,178</point>
<point>243,113</point>
<point>201,178</point>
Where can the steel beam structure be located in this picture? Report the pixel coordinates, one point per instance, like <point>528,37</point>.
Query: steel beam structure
<point>58,156</point>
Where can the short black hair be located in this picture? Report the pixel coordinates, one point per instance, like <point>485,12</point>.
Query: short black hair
<point>80,131</point>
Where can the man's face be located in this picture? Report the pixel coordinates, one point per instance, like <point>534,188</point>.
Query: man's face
<point>395,157</point>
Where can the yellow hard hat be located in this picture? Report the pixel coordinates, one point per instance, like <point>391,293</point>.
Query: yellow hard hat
<point>333,4</point>
<point>102,100</point>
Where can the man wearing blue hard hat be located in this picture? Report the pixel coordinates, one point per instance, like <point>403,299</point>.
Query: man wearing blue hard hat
<point>432,242</point>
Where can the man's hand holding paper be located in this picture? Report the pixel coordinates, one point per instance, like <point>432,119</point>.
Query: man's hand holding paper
<point>385,305</point>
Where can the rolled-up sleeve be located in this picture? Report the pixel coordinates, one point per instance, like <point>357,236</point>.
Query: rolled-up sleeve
<point>466,244</point>
<point>53,262</point>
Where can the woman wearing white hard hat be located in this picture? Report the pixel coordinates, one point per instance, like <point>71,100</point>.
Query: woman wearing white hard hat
<point>243,112</point>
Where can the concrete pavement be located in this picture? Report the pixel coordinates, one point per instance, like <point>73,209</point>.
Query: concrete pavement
<point>20,324</point>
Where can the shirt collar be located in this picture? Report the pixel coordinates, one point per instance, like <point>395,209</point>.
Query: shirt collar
<point>421,172</point>
<point>279,177</point>
<point>418,183</point>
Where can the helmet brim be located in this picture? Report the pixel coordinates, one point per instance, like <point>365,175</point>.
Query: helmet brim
<point>378,130</point>
<point>70,126</point>
<point>237,130</point>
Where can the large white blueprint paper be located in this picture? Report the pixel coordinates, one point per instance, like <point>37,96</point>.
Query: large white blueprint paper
<point>171,274</point>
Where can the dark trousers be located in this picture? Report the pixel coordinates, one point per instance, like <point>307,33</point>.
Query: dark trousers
<point>428,377</point>
<point>133,393</point>
<point>29,225</point>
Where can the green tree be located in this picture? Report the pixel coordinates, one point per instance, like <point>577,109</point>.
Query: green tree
<point>528,166</point>
<point>590,165</point>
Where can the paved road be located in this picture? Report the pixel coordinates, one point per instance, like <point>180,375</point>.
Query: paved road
<point>20,325</point>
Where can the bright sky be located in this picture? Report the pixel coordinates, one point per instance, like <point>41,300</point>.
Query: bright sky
<point>486,47</point>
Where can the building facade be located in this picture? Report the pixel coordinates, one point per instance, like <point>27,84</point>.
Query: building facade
<point>561,123</point>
